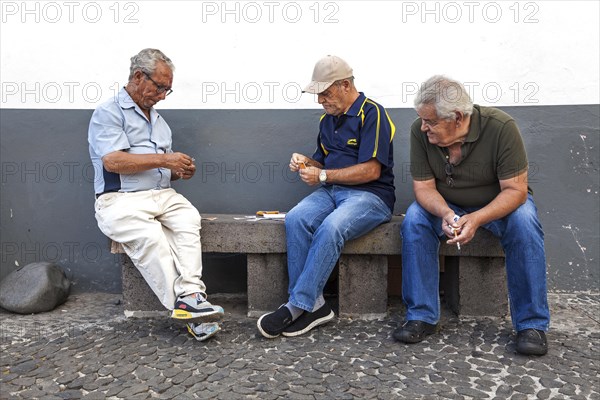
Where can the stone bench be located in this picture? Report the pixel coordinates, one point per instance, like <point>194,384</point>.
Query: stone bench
<point>474,279</point>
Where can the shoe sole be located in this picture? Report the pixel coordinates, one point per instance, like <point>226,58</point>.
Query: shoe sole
<point>205,337</point>
<point>189,317</point>
<point>262,332</point>
<point>532,350</point>
<point>417,339</point>
<point>314,324</point>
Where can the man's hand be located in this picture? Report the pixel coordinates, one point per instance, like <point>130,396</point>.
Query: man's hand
<point>310,175</point>
<point>449,226</point>
<point>513,193</point>
<point>430,199</point>
<point>181,165</point>
<point>299,161</point>
<point>465,228</point>
<point>308,168</point>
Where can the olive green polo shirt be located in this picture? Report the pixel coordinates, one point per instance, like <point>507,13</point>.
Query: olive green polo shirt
<point>492,151</point>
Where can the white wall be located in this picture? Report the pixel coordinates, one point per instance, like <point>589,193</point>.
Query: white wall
<point>258,54</point>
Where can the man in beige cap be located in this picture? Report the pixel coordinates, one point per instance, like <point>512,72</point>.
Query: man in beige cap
<point>352,167</point>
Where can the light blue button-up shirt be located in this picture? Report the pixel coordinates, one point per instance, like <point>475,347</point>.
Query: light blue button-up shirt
<point>119,124</point>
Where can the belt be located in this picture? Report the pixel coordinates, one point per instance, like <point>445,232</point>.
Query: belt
<point>103,193</point>
<point>117,191</point>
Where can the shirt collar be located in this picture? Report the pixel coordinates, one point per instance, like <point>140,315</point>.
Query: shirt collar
<point>126,102</point>
<point>474,125</point>
<point>357,106</point>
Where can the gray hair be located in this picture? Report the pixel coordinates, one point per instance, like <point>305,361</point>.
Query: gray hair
<point>146,61</point>
<point>446,95</point>
<point>339,82</point>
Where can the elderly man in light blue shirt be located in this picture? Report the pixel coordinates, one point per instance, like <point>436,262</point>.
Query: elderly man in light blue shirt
<point>130,148</point>
<point>118,125</point>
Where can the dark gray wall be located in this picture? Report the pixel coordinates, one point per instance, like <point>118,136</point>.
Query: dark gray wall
<point>46,200</point>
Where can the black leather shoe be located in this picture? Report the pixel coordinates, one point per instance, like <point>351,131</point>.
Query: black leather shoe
<point>532,342</point>
<point>414,331</point>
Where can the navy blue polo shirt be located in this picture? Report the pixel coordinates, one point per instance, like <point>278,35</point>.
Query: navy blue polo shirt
<point>362,133</point>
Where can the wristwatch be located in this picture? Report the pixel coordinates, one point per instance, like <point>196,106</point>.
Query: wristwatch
<point>323,177</point>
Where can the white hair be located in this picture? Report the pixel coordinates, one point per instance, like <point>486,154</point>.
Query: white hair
<point>146,60</point>
<point>446,95</point>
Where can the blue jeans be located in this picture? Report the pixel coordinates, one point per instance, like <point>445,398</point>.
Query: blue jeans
<point>316,230</point>
<point>522,238</point>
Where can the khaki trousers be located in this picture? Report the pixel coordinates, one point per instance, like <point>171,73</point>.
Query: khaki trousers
<point>160,232</point>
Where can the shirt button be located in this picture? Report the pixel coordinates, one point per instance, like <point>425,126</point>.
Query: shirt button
<point>334,131</point>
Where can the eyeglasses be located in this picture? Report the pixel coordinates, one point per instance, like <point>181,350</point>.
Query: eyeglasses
<point>449,169</point>
<point>159,88</point>
<point>329,93</point>
<point>430,122</point>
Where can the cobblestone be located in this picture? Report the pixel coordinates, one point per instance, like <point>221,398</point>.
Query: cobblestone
<point>65,354</point>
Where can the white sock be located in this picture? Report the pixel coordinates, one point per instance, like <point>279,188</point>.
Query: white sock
<point>320,302</point>
<point>295,311</point>
<point>197,296</point>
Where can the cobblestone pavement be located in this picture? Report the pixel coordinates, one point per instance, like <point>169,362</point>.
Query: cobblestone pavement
<point>87,349</point>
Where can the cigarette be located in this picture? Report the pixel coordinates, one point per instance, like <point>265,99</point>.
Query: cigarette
<point>457,243</point>
<point>455,219</point>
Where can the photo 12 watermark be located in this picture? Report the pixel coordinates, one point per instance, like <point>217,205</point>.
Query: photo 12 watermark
<point>486,92</point>
<point>54,12</point>
<point>23,253</point>
<point>253,12</point>
<point>250,92</point>
<point>469,171</point>
<point>18,332</point>
<point>270,172</point>
<point>52,92</point>
<point>452,12</point>
<point>46,172</point>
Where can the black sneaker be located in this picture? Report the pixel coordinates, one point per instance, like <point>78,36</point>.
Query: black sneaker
<point>414,331</point>
<point>272,324</point>
<point>309,320</point>
<point>532,342</point>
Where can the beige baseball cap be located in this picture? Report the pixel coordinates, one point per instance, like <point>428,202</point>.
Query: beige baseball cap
<point>327,70</point>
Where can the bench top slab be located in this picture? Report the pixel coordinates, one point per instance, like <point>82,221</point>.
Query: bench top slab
<point>227,233</point>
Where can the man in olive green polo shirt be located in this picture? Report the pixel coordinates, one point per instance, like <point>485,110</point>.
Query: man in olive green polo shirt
<point>469,169</point>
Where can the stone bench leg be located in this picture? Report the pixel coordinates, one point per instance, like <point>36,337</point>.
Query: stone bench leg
<point>267,283</point>
<point>476,286</point>
<point>139,300</point>
<point>363,286</point>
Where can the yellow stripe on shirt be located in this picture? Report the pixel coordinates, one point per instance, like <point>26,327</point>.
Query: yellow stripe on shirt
<point>392,126</point>
<point>321,142</point>
<point>377,126</point>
